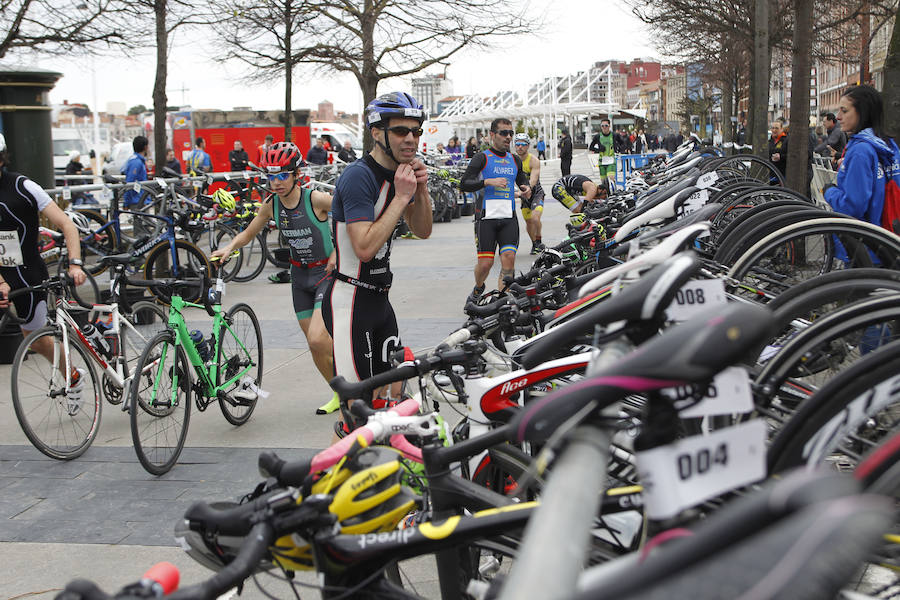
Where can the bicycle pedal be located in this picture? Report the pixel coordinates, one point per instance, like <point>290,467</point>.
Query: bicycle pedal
<point>245,397</point>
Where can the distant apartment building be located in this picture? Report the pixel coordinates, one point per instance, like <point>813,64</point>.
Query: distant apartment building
<point>325,111</point>
<point>674,88</point>
<point>430,90</point>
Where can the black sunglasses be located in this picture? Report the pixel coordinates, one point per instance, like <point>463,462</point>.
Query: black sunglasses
<point>401,131</point>
<point>505,132</point>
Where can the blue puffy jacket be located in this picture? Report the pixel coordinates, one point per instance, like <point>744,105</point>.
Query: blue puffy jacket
<point>860,180</point>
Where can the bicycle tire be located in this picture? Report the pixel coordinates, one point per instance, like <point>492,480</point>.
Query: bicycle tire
<point>50,422</point>
<point>847,405</point>
<point>231,358</point>
<point>148,319</point>
<point>775,260</point>
<point>503,468</point>
<point>759,222</point>
<point>96,244</point>
<point>818,353</point>
<point>723,228</point>
<point>158,430</point>
<point>883,243</point>
<point>254,259</point>
<point>745,167</point>
<point>195,264</point>
<point>879,471</point>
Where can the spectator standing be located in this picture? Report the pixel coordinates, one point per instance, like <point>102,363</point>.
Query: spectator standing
<point>565,153</point>
<point>778,146</point>
<point>859,191</point>
<point>454,150</point>
<point>198,161</point>
<point>835,139</point>
<point>172,162</point>
<point>541,148</point>
<point>135,169</point>
<point>471,147</point>
<point>263,148</point>
<point>317,154</point>
<point>238,157</point>
<point>347,154</point>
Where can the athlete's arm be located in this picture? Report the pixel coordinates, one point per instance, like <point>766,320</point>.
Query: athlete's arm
<point>521,178</point>
<point>246,236</point>
<point>535,176</point>
<point>321,203</point>
<point>418,215</point>
<point>61,221</point>
<point>470,181</point>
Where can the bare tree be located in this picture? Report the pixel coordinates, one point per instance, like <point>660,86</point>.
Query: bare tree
<point>891,89</point>
<point>263,37</point>
<point>798,142</point>
<point>376,40</point>
<point>55,26</point>
<point>158,19</point>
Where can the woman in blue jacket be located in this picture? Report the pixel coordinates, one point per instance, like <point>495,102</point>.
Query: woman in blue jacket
<point>869,154</point>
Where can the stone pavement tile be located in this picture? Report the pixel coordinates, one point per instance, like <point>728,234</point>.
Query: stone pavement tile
<point>11,507</point>
<point>99,531</point>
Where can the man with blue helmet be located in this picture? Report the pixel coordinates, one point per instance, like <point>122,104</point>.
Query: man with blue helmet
<point>371,197</point>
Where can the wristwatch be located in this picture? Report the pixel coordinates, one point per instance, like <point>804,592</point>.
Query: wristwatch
<point>76,261</point>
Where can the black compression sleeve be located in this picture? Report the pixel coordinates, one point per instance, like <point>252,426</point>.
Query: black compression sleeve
<point>521,176</point>
<point>471,181</point>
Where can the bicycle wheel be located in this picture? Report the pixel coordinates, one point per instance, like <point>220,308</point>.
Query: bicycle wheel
<point>224,235</point>
<point>254,259</point>
<point>190,263</point>
<point>60,423</point>
<point>803,250</point>
<point>145,320</point>
<point>160,403</point>
<point>845,419</point>
<point>502,470</point>
<point>98,239</point>
<point>240,348</point>
<point>744,167</point>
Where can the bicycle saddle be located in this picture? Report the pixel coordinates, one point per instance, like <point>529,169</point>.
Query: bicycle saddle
<point>690,352</point>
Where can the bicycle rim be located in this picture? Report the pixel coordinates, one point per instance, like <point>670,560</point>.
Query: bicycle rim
<point>238,352</point>
<point>59,423</point>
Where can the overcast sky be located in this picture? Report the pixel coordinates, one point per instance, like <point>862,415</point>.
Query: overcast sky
<point>566,46</point>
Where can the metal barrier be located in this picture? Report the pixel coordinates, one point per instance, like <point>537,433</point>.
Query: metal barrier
<point>823,174</point>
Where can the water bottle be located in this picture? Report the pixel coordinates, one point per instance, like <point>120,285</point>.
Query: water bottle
<point>200,344</point>
<point>95,338</point>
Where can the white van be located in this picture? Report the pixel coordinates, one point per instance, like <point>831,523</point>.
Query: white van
<point>435,132</point>
<point>64,141</point>
<point>335,134</point>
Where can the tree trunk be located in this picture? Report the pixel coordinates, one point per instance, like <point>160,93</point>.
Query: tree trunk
<point>798,141</point>
<point>759,94</point>
<point>369,87</point>
<point>288,73</point>
<point>891,90</point>
<point>368,77</point>
<point>727,108</point>
<point>865,32</point>
<point>159,85</point>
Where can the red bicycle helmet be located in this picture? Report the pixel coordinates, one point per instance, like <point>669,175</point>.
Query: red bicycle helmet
<point>280,157</point>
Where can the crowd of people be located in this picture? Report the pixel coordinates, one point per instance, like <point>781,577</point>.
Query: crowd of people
<point>340,244</point>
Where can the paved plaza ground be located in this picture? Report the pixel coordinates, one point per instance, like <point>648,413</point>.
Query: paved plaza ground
<point>103,517</point>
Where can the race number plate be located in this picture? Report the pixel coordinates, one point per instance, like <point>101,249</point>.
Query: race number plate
<point>10,249</point>
<point>161,182</point>
<point>247,175</point>
<point>696,298</point>
<point>694,469</point>
<point>607,160</point>
<point>707,179</point>
<point>137,187</point>
<point>694,202</point>
<point>728,394</point>
<point>67,193</point>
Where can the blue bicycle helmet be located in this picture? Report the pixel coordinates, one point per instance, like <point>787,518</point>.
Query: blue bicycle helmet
<point>397,105</point>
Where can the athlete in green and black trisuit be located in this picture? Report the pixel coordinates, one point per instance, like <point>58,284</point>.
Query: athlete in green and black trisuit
<point>302,218</point>
<point>607,160</point>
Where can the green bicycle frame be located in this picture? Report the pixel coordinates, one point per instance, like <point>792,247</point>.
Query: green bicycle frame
<point>206,372</point>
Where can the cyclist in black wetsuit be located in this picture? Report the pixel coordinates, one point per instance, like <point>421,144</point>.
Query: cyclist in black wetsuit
<point>371,197</point>
<point>499,173</point>
<point>302,217</point>
<point>22,202</point>
<point>573,191</point>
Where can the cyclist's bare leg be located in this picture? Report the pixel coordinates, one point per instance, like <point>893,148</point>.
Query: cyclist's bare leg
<point>507,267</point>
<point>320,343</point>
<point>483,268</point>
<point>533,225</point>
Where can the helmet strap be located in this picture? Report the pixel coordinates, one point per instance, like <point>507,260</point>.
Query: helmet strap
<point>386,146</point>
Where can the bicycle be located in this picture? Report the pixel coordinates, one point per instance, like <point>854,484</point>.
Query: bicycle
<point>53,404</point>
<point>228,368</point>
